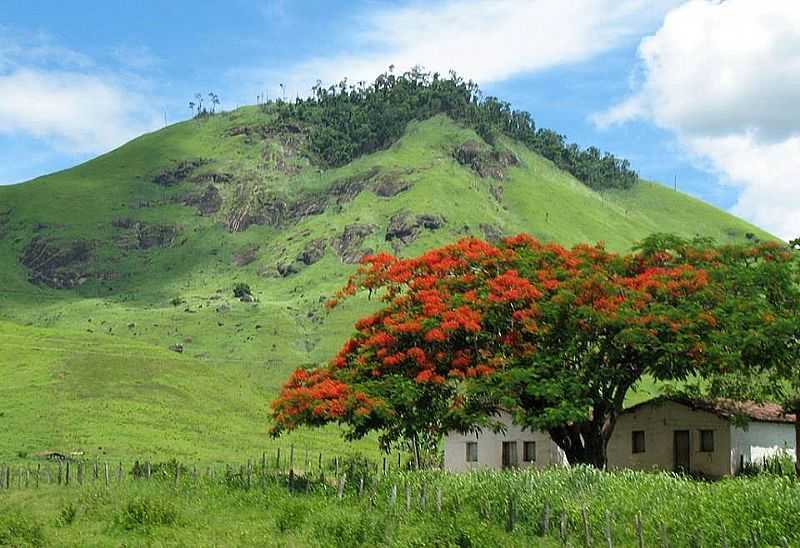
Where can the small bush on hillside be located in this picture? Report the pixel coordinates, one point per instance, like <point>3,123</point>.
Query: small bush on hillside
<point>241,289</point>
<point>348,528</point>
<point>67,515</point>
<point>17,529</point>
<point>147,512</point>
<point>290,516</point>
<point>176,301</point>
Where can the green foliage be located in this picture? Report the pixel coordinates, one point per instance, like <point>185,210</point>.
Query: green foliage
<point>67,515</point>
<point>144,512</point>
<point>346,121</point>
<point>291,515</point>
<point>89,367</point>
<point>474,511</point>
<point>19,529</point>
<point>780,464</point>
<point>241,289</point>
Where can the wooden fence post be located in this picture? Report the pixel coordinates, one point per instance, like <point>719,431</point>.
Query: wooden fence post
<point>393,496</point>
<point>439,499</point>
<point>66,475</point>
<point>609,538</point>
<point>177,473</point>
<point>291,458</point>
<point>147,470</point>
<point>361,486</point>
<point>563,531</point>
<point>60,473</point>
<point>587,534</point>
<point>546,520</point>
<point>120,473</point>
<point>80,472</point>
<point>511,518</point>
<point>342,481</point>
<point>639,531</point>
<point>96,470</point>
<point>106,474</point>
<point>408,498</point>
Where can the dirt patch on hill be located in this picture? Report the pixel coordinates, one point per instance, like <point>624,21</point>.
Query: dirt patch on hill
<point>404,227</point>
<point>178,172</point>
<point>484,160</point>
<point>348,245</point>
<point>60,265</point>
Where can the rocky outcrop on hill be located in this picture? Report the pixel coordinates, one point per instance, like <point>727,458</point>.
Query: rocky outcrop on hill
<point>313,252</point>
<point>404,227</point>
<point>492,233</point>
<point>179,172</point>
<point>5,220</point>
<point>348,243</point>
<point>207,203</point>
<point>138,235</point>
<point>60,265</point>
<point>484,160</point>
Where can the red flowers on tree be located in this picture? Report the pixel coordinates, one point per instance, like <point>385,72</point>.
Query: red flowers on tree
<point>556,336</point>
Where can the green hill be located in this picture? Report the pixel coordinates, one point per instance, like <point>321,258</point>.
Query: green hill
<point>107,266</point>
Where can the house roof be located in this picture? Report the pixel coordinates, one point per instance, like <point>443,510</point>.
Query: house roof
<point>727,409</point>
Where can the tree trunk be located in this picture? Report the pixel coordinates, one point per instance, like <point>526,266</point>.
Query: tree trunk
<point>583,443</point>
<point>797,440</point>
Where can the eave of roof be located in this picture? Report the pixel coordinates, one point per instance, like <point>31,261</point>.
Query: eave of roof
<point>726,409</point>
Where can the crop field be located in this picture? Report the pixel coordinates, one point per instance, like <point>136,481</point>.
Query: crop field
<point>250,506</point>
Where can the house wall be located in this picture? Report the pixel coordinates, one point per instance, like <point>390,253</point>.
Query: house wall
<point>490,448</point>
<point>659,421</point>
<point>758,440</point>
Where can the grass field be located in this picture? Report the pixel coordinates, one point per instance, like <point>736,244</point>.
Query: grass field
<point>555,507</point>
<point>89,369</point>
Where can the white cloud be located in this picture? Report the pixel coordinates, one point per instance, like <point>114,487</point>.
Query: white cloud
<point>725,78</point>
<point>485,40</point>
<point>59,96</point>
<point>76,112</point>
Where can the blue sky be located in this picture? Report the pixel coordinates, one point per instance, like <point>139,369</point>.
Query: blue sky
<point>672,85</point>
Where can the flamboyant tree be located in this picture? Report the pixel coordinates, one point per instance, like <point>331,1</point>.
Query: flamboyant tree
<point>770,364</point>
<point>556,337</point>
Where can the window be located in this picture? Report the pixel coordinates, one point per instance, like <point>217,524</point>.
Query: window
<point>706,441</point>
<point>529,451</point>
<point>472,451</point>
<point>637,441</point>
<point>509,454</point>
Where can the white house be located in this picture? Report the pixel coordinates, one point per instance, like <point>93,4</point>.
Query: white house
<point>711,438</point>
<point>516,448</point>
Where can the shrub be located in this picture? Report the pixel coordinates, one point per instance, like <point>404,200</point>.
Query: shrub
<point>241,289</point>
<point>147,512</point>
<point>290,516</point>
<point>17,529</point>
<point>67,515</point>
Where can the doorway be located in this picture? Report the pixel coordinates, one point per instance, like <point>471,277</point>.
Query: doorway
<point>681,443</point>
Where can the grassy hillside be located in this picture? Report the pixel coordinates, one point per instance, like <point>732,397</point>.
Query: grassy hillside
<point>110,264</point>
